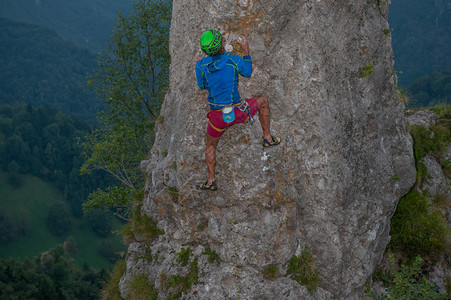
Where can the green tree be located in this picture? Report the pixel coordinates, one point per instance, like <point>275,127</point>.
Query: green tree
<point>100,222</point>
<point>58,218</point>
<point>132,82</point>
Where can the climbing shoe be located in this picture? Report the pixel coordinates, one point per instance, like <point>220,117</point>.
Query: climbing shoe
<point>208,187</point>
<point>274,141</point>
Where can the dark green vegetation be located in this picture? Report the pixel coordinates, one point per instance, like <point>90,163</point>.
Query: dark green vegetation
<point>212,256</point>
<point>46,143</point>
<point>140,227</point>
<point>419,232</point>
<point>141,288</point>
<point>405,282</point>
<point>421,37</point>
<point>302,269</point>
<point>110,290</point>
<point>132,82</point>
<point>42,190</point>
<point>417,226</point>
<point>429,90</point>
<point>40,68</point>
<point>88,23</point>
<point>271,272</point>
<point>179,284</point>
<point>415,229</point>
<point>52,275</point>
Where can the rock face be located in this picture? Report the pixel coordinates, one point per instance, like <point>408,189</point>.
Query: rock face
<point>331,186</point>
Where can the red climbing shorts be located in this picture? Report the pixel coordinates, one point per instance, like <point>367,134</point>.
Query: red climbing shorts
<point>216,125</point>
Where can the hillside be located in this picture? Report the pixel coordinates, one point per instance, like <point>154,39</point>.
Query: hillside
<point>41,68</point>
<point>88,23</point>
<point>42,189</point>
<point>430,90</point>
<point>421,36</point>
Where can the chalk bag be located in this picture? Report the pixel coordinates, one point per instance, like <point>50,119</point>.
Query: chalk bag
<point>228,113</point>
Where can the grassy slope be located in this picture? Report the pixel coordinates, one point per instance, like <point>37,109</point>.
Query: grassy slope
<point>33,201</point>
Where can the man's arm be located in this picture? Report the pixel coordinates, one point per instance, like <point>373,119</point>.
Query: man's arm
<point>199,76</point>
<point>244,44</point>
<point>245,65</point>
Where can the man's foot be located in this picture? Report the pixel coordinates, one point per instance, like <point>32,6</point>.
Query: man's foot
<point>208,187</point>
<point>274,141</point>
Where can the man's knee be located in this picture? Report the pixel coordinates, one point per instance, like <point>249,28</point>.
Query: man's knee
<point>262,101</point>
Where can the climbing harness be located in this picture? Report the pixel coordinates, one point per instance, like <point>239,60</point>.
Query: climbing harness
<point>228,111</point>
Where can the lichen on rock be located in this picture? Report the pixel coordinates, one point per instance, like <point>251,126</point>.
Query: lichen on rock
<point>327,187</point>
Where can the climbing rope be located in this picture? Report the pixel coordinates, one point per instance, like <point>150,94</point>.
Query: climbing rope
<point>235,255</point>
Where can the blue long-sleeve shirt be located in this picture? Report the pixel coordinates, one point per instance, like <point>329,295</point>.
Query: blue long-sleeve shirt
<point>219,75</point>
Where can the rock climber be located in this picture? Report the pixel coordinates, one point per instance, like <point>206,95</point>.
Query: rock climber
<point>217,72</point>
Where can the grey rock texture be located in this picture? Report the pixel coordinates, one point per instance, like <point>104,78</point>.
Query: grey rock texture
<point>329,186</point>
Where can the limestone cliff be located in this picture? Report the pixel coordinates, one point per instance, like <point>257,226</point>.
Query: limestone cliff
<point>331,186</point>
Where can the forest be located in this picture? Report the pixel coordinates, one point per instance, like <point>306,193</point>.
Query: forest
<point>41,68</point>
<point>52,275</point>
<point>421,38</point>
<point>46,143</point>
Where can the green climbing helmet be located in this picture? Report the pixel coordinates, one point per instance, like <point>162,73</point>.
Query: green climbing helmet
<point>210,42</point>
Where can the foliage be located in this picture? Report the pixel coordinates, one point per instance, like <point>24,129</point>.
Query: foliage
<point>110,290</point>
<point>407,283</point>
<point>28,209</point>
<point>183,256</point>
<point>433,140</point>
<point>70,246</point>
<point>141,227</point>
<point>434,89</point>
<point>132,82</point>
<point>303,270</point>
<point>141,288</point>
<point>58,219</point>
<point>45,142</point>
<point>106,249</point>
<point>367,70</point>
<point>403,95</point>
<point>271,272</point>
<point>8,229</point>
<point>212,256</point>
<point>181,284</point>
<point>416,230</point>
<point>50,276</point>
<point>100,222</point>
<point>41,68</point>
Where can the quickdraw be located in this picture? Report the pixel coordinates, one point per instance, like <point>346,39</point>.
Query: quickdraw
<point>245,107</point>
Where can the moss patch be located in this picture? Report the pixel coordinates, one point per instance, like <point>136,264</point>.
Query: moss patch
<point>302,268</point>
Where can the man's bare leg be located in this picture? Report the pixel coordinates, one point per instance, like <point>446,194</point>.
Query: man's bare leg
<point>210,157</point>
<point>264,117</point>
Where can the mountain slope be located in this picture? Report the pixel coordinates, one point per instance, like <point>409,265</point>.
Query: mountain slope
<point>421,37</point>
<point>41,68</point>
<point>86,22</point>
